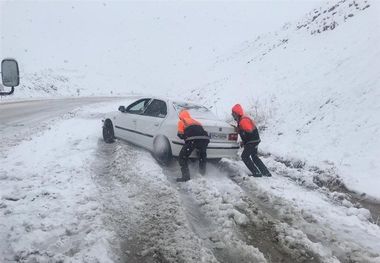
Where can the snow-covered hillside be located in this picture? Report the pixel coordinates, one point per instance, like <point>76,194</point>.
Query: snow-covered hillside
<point>48,83</point>
<point>315,87</point>
<point>58,83</point>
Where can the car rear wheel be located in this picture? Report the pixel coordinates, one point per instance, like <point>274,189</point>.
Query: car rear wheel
<point>108,132</point>
<point>162,150</point>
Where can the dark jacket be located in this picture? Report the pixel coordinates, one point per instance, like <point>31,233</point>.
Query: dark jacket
<point>249,136</point>
<point>193,132</point>
<point>190,129</point>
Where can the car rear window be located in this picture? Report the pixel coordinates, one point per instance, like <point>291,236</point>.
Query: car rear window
<point>196,111</point>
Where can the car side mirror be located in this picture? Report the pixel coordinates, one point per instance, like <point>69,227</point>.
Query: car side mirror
<point>122,108</point>
<point>9,74</point>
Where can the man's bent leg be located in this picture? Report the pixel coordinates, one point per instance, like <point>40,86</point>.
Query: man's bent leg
<point>261,166</point>
<point>246,157</point>
<point>183,159</point>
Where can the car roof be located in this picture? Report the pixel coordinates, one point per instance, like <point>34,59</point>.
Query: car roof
<point>171,101</point>
<point>168,99</point>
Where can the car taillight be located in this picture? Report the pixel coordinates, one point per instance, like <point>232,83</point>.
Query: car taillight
<point>232,137</point>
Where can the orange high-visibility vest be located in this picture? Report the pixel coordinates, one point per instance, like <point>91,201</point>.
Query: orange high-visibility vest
<point>185,121</point>
<point>247,124</point>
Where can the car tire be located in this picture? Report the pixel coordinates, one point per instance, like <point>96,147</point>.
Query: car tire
<point>162,150</point>
<point>108,132</point>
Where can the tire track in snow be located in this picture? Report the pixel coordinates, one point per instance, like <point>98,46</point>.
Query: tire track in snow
<point>226,230</point>
<point>143,209</point>
<point>260,228</point>
<point>221,239</point>
<point>323,224</point>
<point>238,219</point>
<point>229,230</point>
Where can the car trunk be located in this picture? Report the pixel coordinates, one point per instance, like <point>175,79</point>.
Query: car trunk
<point>219,131</point>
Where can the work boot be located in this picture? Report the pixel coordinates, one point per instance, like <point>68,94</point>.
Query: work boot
<point>254,174</point>
<point>183,179</point>
<point>268,174</point>
<point>202,168</point>
<point>185,175</point>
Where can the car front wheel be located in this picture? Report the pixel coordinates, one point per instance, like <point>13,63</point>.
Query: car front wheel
<point>108,132</point>
<point>162,150</point>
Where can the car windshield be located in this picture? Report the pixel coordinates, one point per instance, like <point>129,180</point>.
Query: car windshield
<point>196,111</point>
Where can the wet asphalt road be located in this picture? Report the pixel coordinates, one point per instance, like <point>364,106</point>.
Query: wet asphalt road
<point>22,114</point>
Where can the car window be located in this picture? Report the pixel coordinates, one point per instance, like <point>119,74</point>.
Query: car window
<point>157,108</point>
<point>138,107</point>
<point>195,110</point>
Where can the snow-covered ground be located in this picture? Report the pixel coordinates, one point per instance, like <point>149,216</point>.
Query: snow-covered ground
<point>313,85</point>
<point>67,196</point>
<point>49,202</point>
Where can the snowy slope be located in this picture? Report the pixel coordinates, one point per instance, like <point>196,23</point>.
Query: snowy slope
<point>59,82</point>
<point>314,86</point>
<point>145,46</point>
<point>47,83</point>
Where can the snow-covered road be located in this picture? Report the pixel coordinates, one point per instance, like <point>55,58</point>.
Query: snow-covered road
<point>19,119</point>
<point>66,196</point>
<point>24,113</point>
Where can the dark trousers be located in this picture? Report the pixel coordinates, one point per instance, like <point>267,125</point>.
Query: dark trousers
<point>252,161</point>
<point>187,149</point>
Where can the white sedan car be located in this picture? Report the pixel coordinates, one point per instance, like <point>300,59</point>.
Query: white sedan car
<point>152,124</point>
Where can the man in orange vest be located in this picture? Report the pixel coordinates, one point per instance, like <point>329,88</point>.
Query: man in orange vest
<point>195,137</point>
<point>250,139</point>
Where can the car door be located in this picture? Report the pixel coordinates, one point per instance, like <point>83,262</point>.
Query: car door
<point>149,123</point>
<point>125,125</point>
